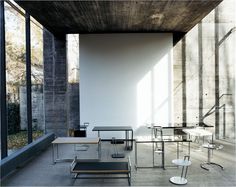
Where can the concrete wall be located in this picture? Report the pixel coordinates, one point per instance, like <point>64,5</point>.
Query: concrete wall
<point>203,65</point>
<point>204,71</point>
<point>55,83</point>
<point>37,108</point>
<point>73,105</point>
<point>125,79</point>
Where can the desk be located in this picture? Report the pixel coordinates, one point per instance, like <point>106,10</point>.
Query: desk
<point>169,130</point>
<point>126,129</point>
<point>73,140</point>
<point>198,132</point>
<point>163,142</point>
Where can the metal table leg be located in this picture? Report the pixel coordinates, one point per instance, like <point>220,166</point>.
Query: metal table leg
<point>53,160</point>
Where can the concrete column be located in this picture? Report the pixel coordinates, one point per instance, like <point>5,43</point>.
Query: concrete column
<point>55,83</point>
<point>217,83</point>
<point>73,105</point>
<point>184,99</point>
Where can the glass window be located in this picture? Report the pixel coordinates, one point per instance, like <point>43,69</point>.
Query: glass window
<point>38,125</point>
<point>15,78</point>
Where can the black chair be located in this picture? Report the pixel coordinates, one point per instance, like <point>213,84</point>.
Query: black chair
<point>81,132</point>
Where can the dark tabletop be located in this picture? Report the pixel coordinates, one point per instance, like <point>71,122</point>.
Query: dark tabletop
<point>112,128</point>
<point>96,166</point>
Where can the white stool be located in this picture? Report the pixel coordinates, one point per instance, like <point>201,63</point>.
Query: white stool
<point>184,163</point>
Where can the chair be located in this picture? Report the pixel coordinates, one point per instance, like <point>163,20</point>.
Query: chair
<point>116,154</point>
<point>210,147</point>
<point>81,132</point>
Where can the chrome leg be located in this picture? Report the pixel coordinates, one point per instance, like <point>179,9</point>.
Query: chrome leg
<point>136,159</point>
<point>53,161</point>
<point>177,150</point>
<point>57,152</point>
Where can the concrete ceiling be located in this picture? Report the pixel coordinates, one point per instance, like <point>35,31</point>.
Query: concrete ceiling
<point>97,16</point>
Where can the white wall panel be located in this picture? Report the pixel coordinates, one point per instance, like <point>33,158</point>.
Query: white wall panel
<point>125,79</point>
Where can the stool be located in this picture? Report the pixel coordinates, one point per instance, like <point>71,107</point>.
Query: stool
<point>210,147</point>
<point>184,163</point>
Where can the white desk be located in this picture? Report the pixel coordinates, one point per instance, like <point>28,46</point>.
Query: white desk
<point>198,132</point>
<point>73,140</point>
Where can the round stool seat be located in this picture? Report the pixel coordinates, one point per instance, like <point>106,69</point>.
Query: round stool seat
<point>181,162</point>
<point>178,180</point>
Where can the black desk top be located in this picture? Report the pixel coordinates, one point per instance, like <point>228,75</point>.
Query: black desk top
<point>104,166</point>
<point>112,128</point>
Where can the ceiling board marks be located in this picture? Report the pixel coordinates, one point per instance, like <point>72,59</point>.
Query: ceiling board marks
<point>119,16</point>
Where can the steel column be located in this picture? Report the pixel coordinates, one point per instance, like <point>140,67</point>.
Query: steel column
<point>28,77</point>
<point>3,84</point>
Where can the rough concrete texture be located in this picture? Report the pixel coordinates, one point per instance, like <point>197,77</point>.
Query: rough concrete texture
<point>209,45</point>
<point>37,107</point>
<point>55,84</point>
<point>196,92</point>
<point>73,107</point>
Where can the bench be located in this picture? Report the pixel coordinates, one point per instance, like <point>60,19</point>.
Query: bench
<point>82,169</point>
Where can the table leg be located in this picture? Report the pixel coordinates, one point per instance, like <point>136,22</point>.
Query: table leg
<point>177,150</point>
<point>163,154</point>
<point>182,173</point>
<point>57,152</point>
<point>136,152</point>
<point>99,150</point>
<point>132,137</point>
<point>126,139</point>
<point>189,148</point>
<point>153,154</point>
<point>209,156</point>
<point>186,172</point>
<point>53,161</point>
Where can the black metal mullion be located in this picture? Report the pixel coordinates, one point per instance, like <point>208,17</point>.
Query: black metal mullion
<point>28,77</point>
<point>3,84</point>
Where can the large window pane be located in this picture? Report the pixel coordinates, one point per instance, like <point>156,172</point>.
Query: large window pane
<point>15,77</point>
<point>73,80</point>
<point>38,124</point>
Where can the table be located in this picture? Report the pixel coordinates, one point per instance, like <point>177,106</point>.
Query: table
<point>198,132</point>
<point>163,142</point>
<point>107,170</point>
<point>73,140</point>
<point>184,163</point>
<point>169,130</point>
<point>126,129</point>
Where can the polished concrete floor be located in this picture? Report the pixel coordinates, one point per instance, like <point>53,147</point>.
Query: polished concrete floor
<point>41,172</point>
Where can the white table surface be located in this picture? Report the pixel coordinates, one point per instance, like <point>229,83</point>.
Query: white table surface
<point>181,162</point>
<point>75,140</point>
<point>198,132</point>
